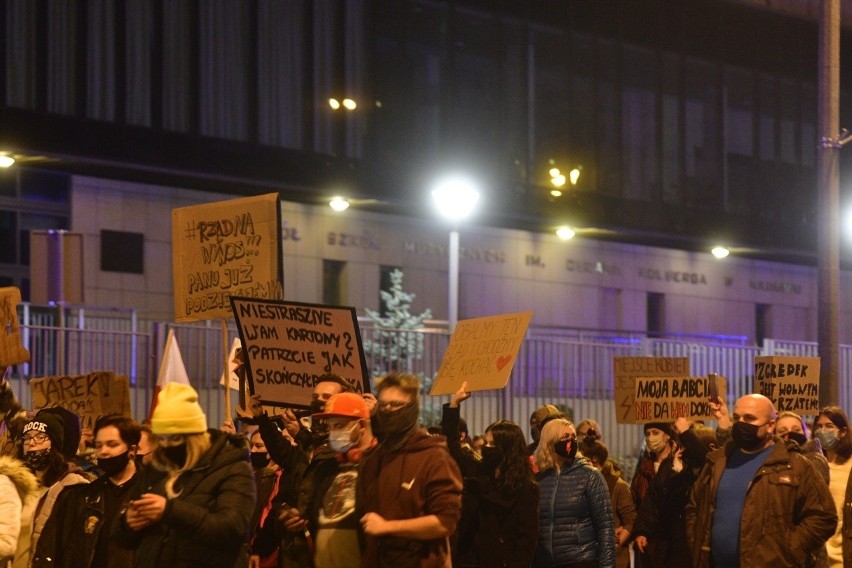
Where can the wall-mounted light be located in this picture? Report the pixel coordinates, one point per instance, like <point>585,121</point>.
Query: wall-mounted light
<point>565,233</point>
<point>349,104</point>
<point>556,192</point>
<point>334,103</point>
<point>720,252</point>
<point>6,161</point>
<point>339,203</point>
<point>574,175</point>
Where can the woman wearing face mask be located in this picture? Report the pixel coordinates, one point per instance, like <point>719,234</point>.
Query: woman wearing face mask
<point>576,527</point>
<point>193,505</point>
<point>791,426</point>
<point>499,522</point>
<point>658,448</point>
<point>42,442</point>
<point>85,513</point>
<point>831,428</point>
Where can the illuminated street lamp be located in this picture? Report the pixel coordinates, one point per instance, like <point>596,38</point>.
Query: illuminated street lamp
<point>455,198</point>
<point>720,252</point>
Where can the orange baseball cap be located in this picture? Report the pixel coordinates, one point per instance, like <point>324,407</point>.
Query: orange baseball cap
<point>348,404</point>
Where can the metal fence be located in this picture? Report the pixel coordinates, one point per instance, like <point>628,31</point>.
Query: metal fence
<point>572,371</point>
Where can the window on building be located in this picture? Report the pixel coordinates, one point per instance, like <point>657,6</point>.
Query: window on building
<point>656,314</point>
<point>762,321</point>
<point>122,252</point>
<point>334,285</point>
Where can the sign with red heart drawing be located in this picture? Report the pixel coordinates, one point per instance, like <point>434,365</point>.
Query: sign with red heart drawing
<point>482,351</point>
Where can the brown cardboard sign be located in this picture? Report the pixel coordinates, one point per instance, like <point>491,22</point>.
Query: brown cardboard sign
<point>663,399</point>
<point>628,369</point>
<point>223,249</point>
<point>89,396</point>
<point>12,350</point>
<point>482,351</point>
<point>288,345</point>
<point>791,383</point>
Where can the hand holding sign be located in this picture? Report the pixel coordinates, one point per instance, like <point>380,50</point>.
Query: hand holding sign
<point>460,396</point>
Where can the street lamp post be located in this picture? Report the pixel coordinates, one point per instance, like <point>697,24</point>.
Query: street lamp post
<point>455,198</point>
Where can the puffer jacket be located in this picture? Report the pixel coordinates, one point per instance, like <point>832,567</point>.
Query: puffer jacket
<point>17,484</point>
<point>788,512</point>
<point>207,524</point>
<point>575,517</point>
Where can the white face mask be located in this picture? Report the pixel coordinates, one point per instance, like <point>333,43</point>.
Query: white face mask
<point>341,440</point>
<point>656,442</point>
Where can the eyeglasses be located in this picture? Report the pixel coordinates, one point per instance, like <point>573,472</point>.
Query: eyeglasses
<point>391,404</point>
<point>35,439</point>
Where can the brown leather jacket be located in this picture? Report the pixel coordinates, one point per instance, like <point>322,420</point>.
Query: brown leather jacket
<point>788,511</point>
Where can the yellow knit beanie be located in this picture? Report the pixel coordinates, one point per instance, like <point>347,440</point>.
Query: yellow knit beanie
<point>178,411</point>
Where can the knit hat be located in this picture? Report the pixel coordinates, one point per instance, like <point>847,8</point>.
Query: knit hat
<point>47,424</point>
<point>71,429</point>
<point>178,411</point>
<point>347,404</point>
<point>665,427</point>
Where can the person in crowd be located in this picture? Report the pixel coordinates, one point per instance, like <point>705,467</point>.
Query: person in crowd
<point>476,444</point>
<point>304,465</point>
<point>537,420</point>
<point>660,528</point>
<point>791,426</point>
<point>332,513</point>
<point>42,442</point>
<point>18,486</point>
<point>588,430</point>
<point>576,525</point>
<point>658,445</point>
<point>499,521</point>
<point>193,505</point>
<point>263,542</point>
<point>831,428</point>
<point>84,514</point>
<point>756,502</point>
<point>623,507</point>
<point>410,487</point>
<point>147,444</point>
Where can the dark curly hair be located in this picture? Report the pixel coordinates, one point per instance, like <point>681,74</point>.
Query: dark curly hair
<point>514,467</point>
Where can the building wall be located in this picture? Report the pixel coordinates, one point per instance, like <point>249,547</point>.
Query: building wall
<point>582,283</point>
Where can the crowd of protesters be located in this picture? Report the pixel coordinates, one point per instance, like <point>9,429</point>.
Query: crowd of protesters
<point>357,482</point>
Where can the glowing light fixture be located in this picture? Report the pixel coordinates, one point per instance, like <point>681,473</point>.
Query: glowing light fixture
<point>565,233</point>
<point>554,172</point>
<point>574,175</point>
<point>334,103</point>
<point>339,203</point>
<point>720,252</point>
<point>556,192</point>
<point>6,161</point>
<point>349,104</point>
<point>558,181</point>
<point>455,197</point>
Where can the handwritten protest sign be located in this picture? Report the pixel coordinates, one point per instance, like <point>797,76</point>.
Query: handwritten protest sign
<point>792,383</point>
<point>628,369</point>
<point>12,350</point>
<point>222,249</point>
<point>482,351</point>
<point>288,345</point>
<point>662,399</point>
<point>89,396</point>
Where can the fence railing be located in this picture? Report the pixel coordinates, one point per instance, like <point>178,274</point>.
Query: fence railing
<point>574,372</point>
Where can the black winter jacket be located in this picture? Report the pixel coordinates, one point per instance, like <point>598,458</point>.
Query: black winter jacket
<point>206,525</point>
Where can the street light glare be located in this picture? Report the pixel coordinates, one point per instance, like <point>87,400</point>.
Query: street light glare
<point>334,103</point>
<point>350,104</point>
<point>558,180</point>
<point>554,172</point>
<point>565,233</point>
<point>6,161</point>
<point>339,204</point>
<point>574,175</point>
<point>720,252</point>
<point>455,197</point>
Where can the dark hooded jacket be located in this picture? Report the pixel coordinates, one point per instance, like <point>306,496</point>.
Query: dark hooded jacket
<point>788,512</point>
<point>417,478</point>
<point>207,524</point>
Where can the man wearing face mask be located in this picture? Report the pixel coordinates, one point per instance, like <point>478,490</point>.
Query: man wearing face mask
<point>410,487</point>
<point>758,502</point>
<point>303,464</point>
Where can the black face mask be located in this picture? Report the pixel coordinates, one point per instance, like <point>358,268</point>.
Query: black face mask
<point>37,460</point>
<point>398,422</point>
<point>797,437</point>
<point>319,427</point>
<point>259,460</point>
<point>745,436</point>
<point>176,454</point>
<point>114,465</point>
<point>566,448</point>
<point>491,457</point>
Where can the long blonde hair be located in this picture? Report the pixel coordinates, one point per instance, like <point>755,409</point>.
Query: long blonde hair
<point>196,446</point>
<point>545,457</point>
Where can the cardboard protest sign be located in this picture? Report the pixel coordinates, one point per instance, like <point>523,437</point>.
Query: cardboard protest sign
<point>222,249</point>
<point>12,350</point>
<point>792,383</point>
<point>628,369</point>
<point>89,396</point>
<point>662,399</point>
<point>288,345</point>
<point>482,351</point>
